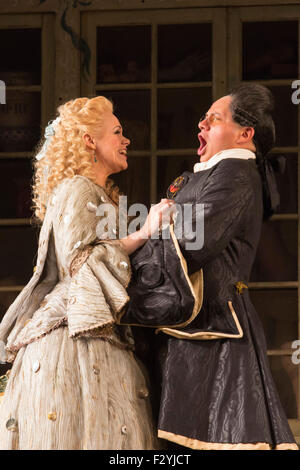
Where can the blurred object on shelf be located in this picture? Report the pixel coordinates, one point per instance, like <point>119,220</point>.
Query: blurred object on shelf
<point>20,119</point>
<point>185,52</point>
<point>124,54</point>
<point>270,50</point>
<point>191,68</point>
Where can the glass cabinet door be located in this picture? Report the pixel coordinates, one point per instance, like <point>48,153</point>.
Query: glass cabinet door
<point>29,100</point>
<point>160,85</point>
<point>263,48</point>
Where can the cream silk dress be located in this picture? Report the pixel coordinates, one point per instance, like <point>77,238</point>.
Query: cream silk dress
<point>75,382</point>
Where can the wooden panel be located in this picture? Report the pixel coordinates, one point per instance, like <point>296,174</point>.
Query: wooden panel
<point>219,53</point>
<point>269,13</point>
<point>153,129</point>
<point>188,15</point>
<point>20,21</point>
<point>89,34</point>
<point>48,68</point>
<point>234,48</point>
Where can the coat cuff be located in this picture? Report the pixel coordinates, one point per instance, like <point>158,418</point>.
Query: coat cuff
<point>162,294</point>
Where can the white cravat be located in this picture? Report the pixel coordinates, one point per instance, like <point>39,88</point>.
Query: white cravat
<point>243,154</point>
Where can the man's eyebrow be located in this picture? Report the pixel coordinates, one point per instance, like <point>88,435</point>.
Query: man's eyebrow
<point>214,112</point>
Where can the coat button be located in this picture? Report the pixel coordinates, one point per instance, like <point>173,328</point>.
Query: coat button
<point>36,366</point>
<point>143,392</point>
<point>12,425</point>
<point>124,429</point>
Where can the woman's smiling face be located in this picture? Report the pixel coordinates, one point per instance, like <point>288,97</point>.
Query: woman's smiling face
<point>111,146</point>
<point>218,131</point>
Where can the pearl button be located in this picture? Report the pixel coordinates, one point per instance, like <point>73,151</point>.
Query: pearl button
<point>96,369</point>
<point>124,429</point>
<point>103,199</point>
<point>36,366</point>
<point>12,425</point>
<point>143,393</point>
<point>72,300</point>
<point>77,245</point>
<point>67,219</point>
<point>52,416</point>
<point>123,264</point>
<point>91,207</point>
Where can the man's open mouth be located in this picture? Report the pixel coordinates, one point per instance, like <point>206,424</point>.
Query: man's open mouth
<point>203,143</point>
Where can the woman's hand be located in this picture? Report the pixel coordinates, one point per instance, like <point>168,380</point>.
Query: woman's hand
<point>159,216</point>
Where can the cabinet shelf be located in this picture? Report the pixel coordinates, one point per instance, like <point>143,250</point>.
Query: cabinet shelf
<point>274,285</point>
<point>13,222</point>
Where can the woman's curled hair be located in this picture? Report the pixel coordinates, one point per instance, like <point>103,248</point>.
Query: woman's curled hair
<point>64,154</point>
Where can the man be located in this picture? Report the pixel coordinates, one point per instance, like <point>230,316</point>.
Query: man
<point>217,389</point>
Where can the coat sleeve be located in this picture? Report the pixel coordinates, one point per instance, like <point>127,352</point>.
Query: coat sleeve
<point>217,215</point>
<point>160,293</point>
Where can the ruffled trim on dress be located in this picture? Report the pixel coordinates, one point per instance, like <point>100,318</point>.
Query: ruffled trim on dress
<point>97,291</point>
<point>88,302</point>
<point>13,349</point>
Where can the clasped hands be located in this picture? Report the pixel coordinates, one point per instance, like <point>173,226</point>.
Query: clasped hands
<point>160,217</point>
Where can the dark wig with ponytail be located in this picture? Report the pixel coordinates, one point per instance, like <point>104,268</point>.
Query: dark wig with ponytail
<point>252,105</point>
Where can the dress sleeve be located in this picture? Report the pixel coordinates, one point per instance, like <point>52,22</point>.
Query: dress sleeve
<point>99,267</point>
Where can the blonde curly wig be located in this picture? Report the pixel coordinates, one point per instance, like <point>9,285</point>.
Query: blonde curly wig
<point>65,154</point>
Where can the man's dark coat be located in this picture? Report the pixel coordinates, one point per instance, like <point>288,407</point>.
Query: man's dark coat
<point>217,389</point>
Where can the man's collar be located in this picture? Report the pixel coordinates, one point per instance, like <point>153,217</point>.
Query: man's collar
<point>243,154</point>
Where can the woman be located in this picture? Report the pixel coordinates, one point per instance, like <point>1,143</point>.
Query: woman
<point>75,383</point>
<point>217,388</point>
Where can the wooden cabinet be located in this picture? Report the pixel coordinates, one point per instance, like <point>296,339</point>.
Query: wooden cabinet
<point>161,68</point>
<point>25,68</point>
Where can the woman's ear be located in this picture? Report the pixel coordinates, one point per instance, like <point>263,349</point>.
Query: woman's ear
<point>246,135</point>
<point>89,141</point>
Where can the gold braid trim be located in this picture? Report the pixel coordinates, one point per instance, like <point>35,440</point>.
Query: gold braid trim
<point>106,333</point>
<point>80,259</point>
<point>287,447</point>
<point>13,350</point>
<point>201,445</point>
